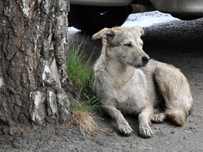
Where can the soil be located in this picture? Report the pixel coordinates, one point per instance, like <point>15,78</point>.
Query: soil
<point>179,43</point>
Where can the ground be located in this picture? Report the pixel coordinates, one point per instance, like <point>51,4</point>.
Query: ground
<point>179,43</point>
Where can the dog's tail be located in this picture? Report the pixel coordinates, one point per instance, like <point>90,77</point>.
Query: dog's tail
<point>178,117</point>
<point>177,112</point>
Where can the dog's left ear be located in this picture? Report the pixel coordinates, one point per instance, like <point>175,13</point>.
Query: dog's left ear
<point>139,31</point>
<point>105,34</point>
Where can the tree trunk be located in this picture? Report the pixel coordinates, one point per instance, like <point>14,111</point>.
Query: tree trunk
<point>34,85</point>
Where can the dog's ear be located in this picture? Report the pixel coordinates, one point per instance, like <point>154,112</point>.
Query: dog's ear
<point>139,31</point>
<point>105,34</point>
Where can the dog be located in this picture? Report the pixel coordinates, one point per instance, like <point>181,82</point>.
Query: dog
<point>129,82</point>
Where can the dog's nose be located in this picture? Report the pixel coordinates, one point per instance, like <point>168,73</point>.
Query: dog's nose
<point>145,59</point>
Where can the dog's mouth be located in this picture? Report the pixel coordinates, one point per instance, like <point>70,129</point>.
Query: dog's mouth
<point>137,65</point>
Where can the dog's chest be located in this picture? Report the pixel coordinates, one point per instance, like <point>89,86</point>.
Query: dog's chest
<point>122,93</point>
<point>128,90</point>
<point>130,98</point>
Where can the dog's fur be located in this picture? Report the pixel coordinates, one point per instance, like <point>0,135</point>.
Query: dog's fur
<point>127,83</point>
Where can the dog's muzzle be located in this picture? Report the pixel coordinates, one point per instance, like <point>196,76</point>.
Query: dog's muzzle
<point>143,62</point>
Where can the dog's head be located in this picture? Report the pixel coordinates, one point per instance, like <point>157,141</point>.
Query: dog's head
<point>124,44</point>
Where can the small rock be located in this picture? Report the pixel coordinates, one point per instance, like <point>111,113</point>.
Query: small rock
<point>173,132</point>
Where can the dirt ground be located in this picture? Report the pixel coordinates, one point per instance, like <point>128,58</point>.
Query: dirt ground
<point>177,42</point>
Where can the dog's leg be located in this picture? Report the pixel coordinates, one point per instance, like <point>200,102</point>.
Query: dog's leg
<point>176,91</point>
<point>144,119</point>
<point>123,125</point>
<point>159,117</point>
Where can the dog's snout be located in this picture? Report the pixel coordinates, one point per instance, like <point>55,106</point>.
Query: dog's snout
<point>145,59</point>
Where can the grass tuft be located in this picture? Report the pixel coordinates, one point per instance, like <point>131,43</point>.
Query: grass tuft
<point>81,73</point>
<point>79,69</point>
<point>83,115</point>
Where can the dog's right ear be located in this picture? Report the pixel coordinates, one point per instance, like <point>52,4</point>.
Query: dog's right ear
<point>105,34</point>
<point>139,31</point>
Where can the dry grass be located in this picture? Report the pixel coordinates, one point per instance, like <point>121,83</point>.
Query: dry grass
<point>85,121</point>
<point>83,115</point>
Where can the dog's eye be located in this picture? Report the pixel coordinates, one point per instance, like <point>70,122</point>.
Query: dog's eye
<point>128,44</point>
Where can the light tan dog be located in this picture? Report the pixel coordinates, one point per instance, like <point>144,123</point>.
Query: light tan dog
<point>127,81</point>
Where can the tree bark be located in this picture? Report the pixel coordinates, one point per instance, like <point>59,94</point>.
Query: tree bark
<point>34,85</point>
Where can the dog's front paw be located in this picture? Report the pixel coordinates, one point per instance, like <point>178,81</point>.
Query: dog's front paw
<point>145,131</point>
<point>125,128</point>
<point>159,117</point>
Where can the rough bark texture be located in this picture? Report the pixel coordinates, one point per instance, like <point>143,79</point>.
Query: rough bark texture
<point>34,86</point>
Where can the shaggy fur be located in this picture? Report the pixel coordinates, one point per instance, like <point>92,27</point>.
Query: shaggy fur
<point>128,82</point>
